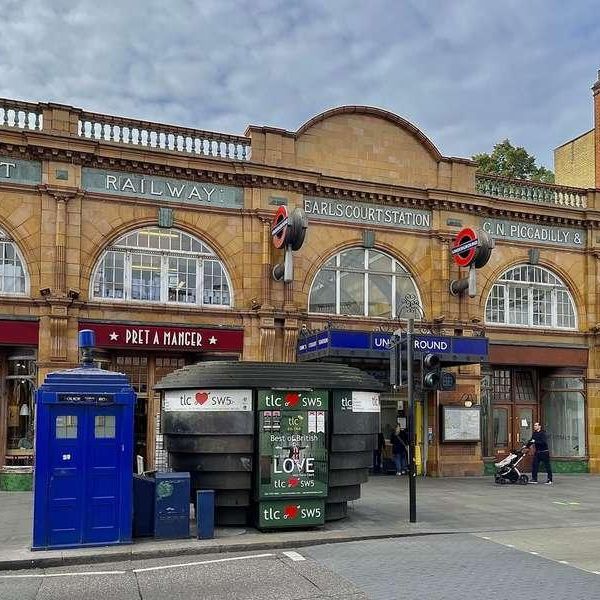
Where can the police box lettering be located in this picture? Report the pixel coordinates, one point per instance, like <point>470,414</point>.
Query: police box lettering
<point>207,400</point>
<point>292,400</point>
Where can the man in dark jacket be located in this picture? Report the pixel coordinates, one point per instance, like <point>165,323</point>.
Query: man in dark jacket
<point>399,441</point>
<point>542,453</point>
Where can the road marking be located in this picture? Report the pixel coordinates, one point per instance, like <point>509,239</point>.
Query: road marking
<point>534,553</point>
<point>294,555</point>
<point>566,503</point>
<point>81,574</point>
<point>200,562</point>
<point>485,537</point>
<point>509,545</point>
<point>563,562</point>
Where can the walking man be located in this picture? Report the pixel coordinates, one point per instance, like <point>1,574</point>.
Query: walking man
<point>542,453</point>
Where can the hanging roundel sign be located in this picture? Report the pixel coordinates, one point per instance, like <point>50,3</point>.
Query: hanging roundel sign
<point>280,227</point>
<point>464,247</point>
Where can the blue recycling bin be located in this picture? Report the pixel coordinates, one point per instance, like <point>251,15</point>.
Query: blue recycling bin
<point>172,505</point>
<point>143,505</point>
<point>83,476</point>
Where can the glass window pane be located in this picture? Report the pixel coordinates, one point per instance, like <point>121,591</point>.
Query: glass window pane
<point>104,426</point>
<point>406,292</point>
<point>216,288</point>
<point>353,258</point>
<point>12,274</point>
<point>379,262</point>
<point>518,306</point>
<point>500,427</point>
<point>352,294</point>
<point>66,427</point>
<point>380,295</point>
<point>564,422</point>
<point>322,294</point>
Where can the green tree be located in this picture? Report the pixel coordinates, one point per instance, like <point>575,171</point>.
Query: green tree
<point>516,163</point>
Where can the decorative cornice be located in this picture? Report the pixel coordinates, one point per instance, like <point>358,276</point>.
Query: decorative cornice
<point>248,175</point>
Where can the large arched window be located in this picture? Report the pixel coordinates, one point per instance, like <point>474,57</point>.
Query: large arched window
<point>162,265</point>
<point>530,296</point>
<point>13,278</point>
<point>361,282</point>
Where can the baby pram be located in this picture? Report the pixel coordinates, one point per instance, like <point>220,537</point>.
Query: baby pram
<point>507,469</point>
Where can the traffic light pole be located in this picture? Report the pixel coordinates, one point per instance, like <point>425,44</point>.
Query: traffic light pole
<point>412,472</point>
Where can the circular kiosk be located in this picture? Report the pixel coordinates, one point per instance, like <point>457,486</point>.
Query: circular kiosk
<point>260,434</point>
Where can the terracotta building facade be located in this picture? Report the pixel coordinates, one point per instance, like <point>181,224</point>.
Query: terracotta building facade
<point>159,238</point>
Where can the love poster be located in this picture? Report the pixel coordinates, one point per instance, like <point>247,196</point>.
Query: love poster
<point>292,440</point>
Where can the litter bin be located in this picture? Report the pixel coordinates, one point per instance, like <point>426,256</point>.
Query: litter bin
<point>171,505</point>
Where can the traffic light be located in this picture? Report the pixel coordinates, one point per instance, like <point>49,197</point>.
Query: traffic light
<point>431,370</point>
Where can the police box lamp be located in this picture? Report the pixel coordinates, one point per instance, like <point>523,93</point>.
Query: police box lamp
<point>87,342</point>
<point>471,248</point>
<point>288,232</point>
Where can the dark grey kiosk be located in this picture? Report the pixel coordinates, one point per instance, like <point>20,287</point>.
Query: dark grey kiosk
<point>264,435</point>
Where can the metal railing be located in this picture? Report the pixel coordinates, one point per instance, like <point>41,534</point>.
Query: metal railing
<point>531,191</point>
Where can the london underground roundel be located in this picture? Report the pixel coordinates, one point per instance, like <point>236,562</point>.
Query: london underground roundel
<point>279,229</point>
<point>464,247</point>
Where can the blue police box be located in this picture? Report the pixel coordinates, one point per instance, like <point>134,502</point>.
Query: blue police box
<point>83,472</point>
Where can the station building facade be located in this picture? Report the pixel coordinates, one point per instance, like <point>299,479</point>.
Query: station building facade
<point>159,238</point>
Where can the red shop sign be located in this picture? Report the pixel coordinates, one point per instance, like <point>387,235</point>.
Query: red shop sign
<point>149,337</point>
<point>19,333</point>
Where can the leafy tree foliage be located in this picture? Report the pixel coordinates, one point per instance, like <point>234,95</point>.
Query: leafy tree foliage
<point>508,161</point>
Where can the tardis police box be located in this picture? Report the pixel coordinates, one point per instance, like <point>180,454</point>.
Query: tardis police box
<point>83,476</point>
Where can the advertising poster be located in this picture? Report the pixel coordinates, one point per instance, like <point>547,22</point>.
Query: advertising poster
<point>292,444</point>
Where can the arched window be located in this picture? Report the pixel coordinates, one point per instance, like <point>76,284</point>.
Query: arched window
<point>530,296</point>
<point>13,278</point>
<point>162,265</point>
<point>361,282</point>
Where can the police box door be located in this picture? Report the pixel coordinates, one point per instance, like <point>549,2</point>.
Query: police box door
<point>85,455</point>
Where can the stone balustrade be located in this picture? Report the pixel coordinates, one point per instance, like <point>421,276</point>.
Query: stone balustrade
<point>164,137</point>
<point>23,115</point>
<point>66,120</point>
<point>531,191</point>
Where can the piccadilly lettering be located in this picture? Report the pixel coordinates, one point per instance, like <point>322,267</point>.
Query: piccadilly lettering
<point>360,212</point>
<point>514,230</point>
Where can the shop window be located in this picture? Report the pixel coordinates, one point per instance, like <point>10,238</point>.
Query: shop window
<point>163,266</point>
<point>104,427</point>
<point>362,282</point>
<point>563,406</point>
<point>530,296</point>
<point>66,427</point>
<point>13,278</point>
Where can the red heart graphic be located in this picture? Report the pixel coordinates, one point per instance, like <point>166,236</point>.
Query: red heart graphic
<point>201,398</point>
<point>293,481</point>
<point>292,399</point>
<point>291,511</point>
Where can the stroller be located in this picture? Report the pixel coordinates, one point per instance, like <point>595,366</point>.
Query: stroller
<point>507,471</point>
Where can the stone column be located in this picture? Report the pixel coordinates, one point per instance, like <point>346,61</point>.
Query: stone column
<point>290,340</point>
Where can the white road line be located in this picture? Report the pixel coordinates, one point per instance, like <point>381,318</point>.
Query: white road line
<point>534,553</point>
<point>563,562</point>
<point>294,555</point>
<point>81,574</point>
<point>200,562</point>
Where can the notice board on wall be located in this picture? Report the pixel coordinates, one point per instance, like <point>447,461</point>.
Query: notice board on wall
<point>461,423</point>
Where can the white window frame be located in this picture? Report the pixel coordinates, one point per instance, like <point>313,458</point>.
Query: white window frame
<point>397,270</point>
<point>507,284</point>
<point>128,251</point>
<point>5,238</point>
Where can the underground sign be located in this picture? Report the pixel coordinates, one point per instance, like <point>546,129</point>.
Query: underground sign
<point>464,248</point>
<point>279,230</point>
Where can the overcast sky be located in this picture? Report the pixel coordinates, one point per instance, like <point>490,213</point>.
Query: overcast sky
<point>468,73</point>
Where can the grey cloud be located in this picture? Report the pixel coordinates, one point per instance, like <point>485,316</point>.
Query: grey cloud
<point>469,73</point>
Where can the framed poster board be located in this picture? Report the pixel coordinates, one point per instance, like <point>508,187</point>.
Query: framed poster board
<point>461,424</point>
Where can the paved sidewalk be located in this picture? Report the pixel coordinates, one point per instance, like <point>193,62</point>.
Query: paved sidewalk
<point>450,505</point>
